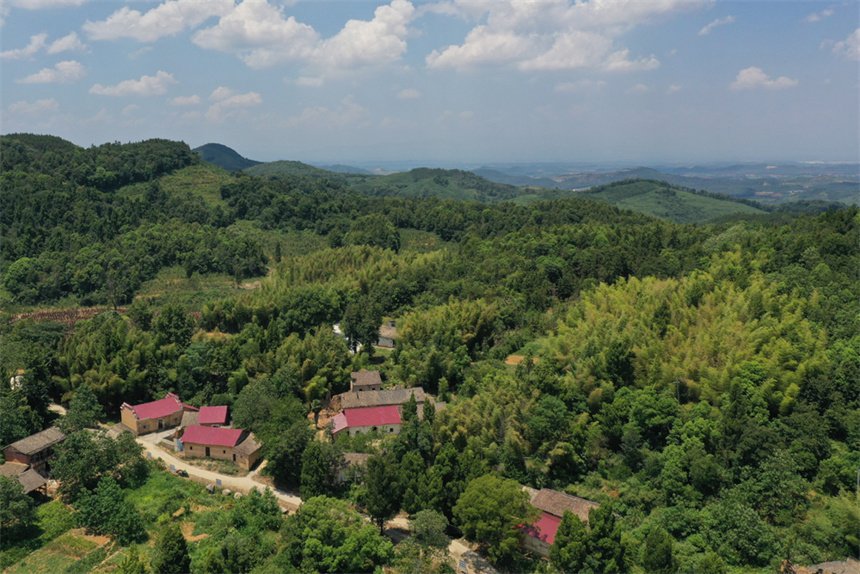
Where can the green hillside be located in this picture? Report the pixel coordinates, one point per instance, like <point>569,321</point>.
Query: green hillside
<point>666,201</point>
<point>224,157</point>
<point>286,167</point>
<point>442,183</point>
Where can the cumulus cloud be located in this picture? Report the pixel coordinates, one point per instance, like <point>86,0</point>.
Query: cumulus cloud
<point>718,22</point>
<point>673,88</point>
<point>638,89</point>
<point>61,73</point>
<point>227,103</point>
<point>185,100</point>
<point>309,82</point>
<point>752,78</point>
<point>37,42</point>
<point>37,108</point>
<point>818,16</point>
<point>146,86</point>
<point>551,35</point>
<point>408,94</point>
<point>850,47</point>
<point>167,19</point>
<point>67,43</point>
<point>259,34</point>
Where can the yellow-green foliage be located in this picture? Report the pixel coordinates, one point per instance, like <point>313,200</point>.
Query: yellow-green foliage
<point>700,330</point>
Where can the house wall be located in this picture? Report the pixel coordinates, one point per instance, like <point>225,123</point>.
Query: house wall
<point>384,429</point>
<point>385,342</point>
<point>194,450</point>
<point>13,455</point>
<point>146,426</point>
<point>535,545</point>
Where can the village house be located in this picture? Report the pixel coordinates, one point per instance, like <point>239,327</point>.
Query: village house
<point>36,450</point>
<point>357,421</point>
<point>234,445</point>
<point>154,416</point>
<point>387,335</point>
<point>367,399</point>
<point>540,536</point>
<point>365,381</point>
<point>352,469</point>
<point>30,480</point>
<point>212,417</point>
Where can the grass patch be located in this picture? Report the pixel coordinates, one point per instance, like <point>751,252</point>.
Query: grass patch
<point>88,562</point>
<point>204,180</point>
<point>219,466</point>
<point>58,556</point>
<point>163,493</point>
<point>172,286</point>
<point>54,519</point>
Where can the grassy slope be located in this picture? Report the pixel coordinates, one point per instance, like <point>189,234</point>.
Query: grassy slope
<point>673,204</point>
<point>224,157</point>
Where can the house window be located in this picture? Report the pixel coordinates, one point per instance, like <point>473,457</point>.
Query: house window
<point>190,448</point>
<point>391,429</point>
<point>225,452</point>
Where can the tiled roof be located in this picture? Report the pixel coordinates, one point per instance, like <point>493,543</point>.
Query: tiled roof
<point>248,446</point>
<point>31,480</point>
<point>363,399</point>
<point>12,469</point>
<point>374,416</point>
<point>355,459</point>
<point>39,441</point>
<point>189,418</point>
<point>212,416</point>
<point>338,423</point>
<point>544,528</point>
<point>156,409</point>
<point>366,378</point>
<point>556,503</point>
<point>388,332</point>
<point>211,436</point>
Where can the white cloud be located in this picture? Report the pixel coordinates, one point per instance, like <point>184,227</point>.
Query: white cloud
<point>258,33</point>
<point>67,43</point>
<point>61,73</point>
<point>753,78</point>
<point>261,36</point>
<point>228,103</point>
<point>37,108</point>
<point>185,100</point>
<point>130,110</point>
<point>718,22</point>
<point>638,89</point>
<point>37,42</point>
<point>673,88</point>
<point>408,94</point>
<point>850,47</point>
<point>379,41</point>
<point>818,16</point>
<point>551,35</point>
<point>146,86</point>
<point>167,19</point>
<point>138,53</point>
<point>580,86</point>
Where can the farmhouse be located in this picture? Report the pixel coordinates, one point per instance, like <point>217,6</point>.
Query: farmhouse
<point>365,381</point>
<point>540,536</point>
<point>356,421</point>
<point>367,399</point>
<point>36,450</point>
<point>234,445</point>
<point>29,479</point>
<point>387,335</point>
<point>352,469</point>
<point>154,416</point>
<point>212,416</point>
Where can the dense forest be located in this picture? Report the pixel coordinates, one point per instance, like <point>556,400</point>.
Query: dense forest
<point>701,382</point>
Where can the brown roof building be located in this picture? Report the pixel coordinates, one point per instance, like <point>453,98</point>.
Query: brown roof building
<point>540,536</point>
<point>365,381</point>
<point>366,399</point>
<point>36,450</point>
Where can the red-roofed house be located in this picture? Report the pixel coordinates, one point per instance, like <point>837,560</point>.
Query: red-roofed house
<point>235,445</point>
<point>356,421</point>
<point>552,504</point>
<point>157,415</point>
<point>212,416</point>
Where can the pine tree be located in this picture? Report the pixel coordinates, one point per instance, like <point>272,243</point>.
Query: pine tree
<point>171,552</point>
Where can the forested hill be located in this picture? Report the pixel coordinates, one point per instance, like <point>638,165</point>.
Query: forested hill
<point>224,157</point>
<point>699,382</point>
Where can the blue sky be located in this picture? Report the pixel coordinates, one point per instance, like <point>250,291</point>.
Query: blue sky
<point>448,82</point>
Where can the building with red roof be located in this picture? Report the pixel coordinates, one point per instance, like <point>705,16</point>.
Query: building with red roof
<point>154,416</point>
<point>540,536</point>
<point>234,445</point>
<point>212,416</point>
<point>356,421</point>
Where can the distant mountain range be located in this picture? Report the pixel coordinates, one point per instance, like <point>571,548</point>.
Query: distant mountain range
<point>695,194</point>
